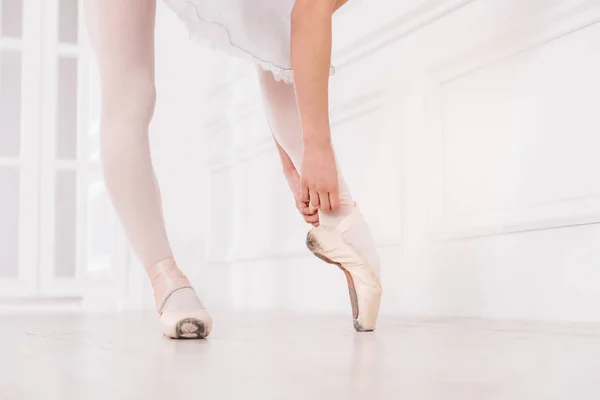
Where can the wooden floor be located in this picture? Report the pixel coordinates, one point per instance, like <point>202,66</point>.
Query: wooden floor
<point>286,357</point>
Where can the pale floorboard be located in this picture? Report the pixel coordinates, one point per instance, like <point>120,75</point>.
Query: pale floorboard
<point>286,356</point>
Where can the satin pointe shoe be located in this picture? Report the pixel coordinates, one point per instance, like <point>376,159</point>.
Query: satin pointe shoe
<point>364,287</point>
<point>166,279</point>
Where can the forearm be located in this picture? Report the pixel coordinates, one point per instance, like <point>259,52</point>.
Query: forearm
<point>311,59</point>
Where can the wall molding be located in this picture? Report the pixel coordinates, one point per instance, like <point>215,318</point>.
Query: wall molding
<point>553,24</point>
<point>406,24</point>
<point>358,106</point>
<point>527,34</point>
<point>234,156</point>
<point>219,123</point>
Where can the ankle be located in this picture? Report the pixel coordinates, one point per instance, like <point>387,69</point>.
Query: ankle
<point>332,219</point>
<point>166,278</point>
<point>155,270</point>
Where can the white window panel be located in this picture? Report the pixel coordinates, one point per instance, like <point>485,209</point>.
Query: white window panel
<point>68,21</point>
<point>20,58</point>
<point>65,224</point>
<point>67,108</point>
<point>11,18</point>
<point>80,238</point>
<point>11,67</point>
<point>9,228</point>
<point>64,172</point>
<point>57,220</point>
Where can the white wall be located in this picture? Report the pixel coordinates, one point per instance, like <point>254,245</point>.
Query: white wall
<point>467,132</point>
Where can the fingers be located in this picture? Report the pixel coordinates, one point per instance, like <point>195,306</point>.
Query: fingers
<point>305,193</point>
<point>324,198</point>
<point>306,209</point>
<point>326,201</point>
<point>309,213</point>
<point>312,219</point>
<point>314,198</point>
<point>334,200</point>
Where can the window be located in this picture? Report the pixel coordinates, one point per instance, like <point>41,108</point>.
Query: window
<point>57,226</point>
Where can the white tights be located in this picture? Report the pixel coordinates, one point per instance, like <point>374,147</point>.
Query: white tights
<point>122,33</point>
<point>123,36</point>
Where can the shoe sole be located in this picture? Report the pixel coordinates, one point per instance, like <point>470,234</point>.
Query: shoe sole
<point>314,247</point>
<point>190,328</point>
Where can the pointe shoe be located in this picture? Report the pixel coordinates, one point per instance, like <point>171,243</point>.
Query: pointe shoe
<point>166,279</point>
<point>363,285</point>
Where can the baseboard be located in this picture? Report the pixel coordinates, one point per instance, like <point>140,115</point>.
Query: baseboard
<point>32,305</point>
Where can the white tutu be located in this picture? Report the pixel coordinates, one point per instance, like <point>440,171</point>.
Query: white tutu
<point>257,30</point>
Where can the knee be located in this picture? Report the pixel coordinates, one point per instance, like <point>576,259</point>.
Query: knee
<point>127,109</point>
<point>129,101</point>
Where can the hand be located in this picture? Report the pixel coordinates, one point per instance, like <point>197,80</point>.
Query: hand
<point>319,179</point>
<point>309,213</point>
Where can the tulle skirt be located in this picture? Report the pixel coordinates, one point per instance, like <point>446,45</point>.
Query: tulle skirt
<point>257,30</point>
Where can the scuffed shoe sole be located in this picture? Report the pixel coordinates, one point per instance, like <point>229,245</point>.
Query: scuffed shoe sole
<point>196,324</point>
<point>190,328</point>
